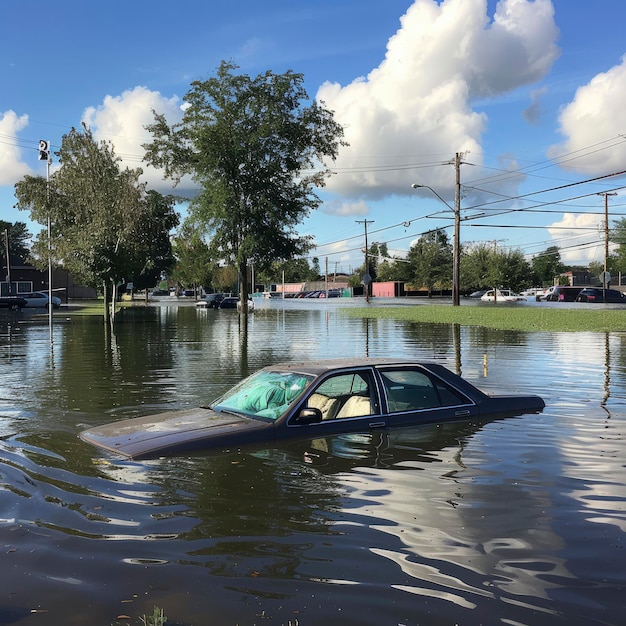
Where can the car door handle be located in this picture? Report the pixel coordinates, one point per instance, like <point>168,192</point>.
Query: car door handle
<point>465,412</point>
<point>377,424</point>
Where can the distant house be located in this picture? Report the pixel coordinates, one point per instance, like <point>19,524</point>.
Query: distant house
<point>26,278</point>
<point>578,277</point>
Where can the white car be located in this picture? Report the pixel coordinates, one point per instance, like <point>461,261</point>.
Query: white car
<point>40,299</point>
<point>501,295</point>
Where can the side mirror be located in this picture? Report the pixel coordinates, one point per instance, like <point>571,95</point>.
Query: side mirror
<point>308,416</point>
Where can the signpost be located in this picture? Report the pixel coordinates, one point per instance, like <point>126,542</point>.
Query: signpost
<point>44,155</point>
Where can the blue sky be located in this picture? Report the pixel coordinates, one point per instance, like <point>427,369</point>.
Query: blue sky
<point>531,93</point>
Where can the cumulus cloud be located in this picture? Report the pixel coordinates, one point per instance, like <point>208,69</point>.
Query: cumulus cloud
<point>418,101</point>
<point>595,116</point>
<point>12,167</point>
<point>346,208</point>
<point>121,120</point>
<point>580,237</point>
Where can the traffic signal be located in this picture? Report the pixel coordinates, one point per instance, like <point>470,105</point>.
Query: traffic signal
<point>44,150</point>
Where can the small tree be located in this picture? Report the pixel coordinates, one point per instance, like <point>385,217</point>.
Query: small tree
<point>430,261</point>
<point>18,237</point>
<point>194,264</point>
<point>256,152</point>
<point>547,265</point>
<point>105,228</point>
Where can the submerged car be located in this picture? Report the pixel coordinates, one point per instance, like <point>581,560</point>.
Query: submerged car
<point>234,303</point>
<point>311,400</point>
<point>597,294</point>
<point>211,301</point>
<point>40,299</point>
<point>14,303</point>
<point>561,294</point>
<point>501,295</point>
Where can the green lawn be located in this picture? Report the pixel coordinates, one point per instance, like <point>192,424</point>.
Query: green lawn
<point>594,319</point>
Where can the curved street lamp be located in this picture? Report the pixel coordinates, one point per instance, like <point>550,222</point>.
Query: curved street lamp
<point>456,249</point>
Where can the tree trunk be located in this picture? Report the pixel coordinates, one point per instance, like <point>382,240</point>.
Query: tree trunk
<point>113,301</point>
<point>107,312</point>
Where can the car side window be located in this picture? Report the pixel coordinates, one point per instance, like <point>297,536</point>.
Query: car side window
<point>344,395</point>
<point>411,389</point>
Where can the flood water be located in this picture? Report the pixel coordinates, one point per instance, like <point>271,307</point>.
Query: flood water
<point>517,521</point>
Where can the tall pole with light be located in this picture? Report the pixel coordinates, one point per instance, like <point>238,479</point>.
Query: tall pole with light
<point>456,245</point>
<point>44,155</point>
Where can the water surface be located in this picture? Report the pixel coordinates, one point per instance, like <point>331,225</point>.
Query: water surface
<point>517,521</point>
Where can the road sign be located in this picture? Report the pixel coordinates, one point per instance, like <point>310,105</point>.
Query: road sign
<point>44,150</point>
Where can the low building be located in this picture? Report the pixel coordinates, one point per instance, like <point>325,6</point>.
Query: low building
<point>26,278</point>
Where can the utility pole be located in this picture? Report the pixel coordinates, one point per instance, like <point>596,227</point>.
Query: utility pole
<point>456,245</point>
<point>456,210</point>
<point>605,274</point>
<point>367,279</point>
<point>6,247</point>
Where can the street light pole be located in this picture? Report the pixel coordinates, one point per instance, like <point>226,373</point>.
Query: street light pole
<point>456,243</point>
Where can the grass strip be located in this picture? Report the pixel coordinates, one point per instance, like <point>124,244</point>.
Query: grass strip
<point>552,319</point>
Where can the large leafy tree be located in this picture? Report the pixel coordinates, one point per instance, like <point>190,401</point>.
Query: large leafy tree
<point>152,254</point>
<point>485,266</point>
<point>430,261</point>
<point>547,265</point>
<point>256,149</point>
<point>105,228</point>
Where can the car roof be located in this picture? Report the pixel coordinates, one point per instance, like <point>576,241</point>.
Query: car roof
<point>325,365</point>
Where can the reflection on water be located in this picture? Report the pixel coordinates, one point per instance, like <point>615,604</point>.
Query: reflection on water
<point>517,521</point>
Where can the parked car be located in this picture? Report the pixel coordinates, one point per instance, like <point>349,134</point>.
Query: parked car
<point>40,299</point>
<point>501,295</point>
<point>312,400</point>
<point>233,303</point>
<point>211,301</point>
<point>14,303</point>
<point>597,294</point>
<point>561,294</point>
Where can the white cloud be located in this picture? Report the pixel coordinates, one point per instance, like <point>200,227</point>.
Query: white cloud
<point>121,120</point>
<point>596,114</point>
<point>418,100</point>
<point>12,168</point>
<point>580,238</point>
<point>346,209</point>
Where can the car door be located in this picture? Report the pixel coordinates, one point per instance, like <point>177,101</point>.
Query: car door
<point>349,401</point>
<point>413,396</point>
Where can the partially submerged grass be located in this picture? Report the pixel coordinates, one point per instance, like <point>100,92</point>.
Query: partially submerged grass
<point>596,318</point>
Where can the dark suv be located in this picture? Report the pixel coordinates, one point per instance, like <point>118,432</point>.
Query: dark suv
<point>562,294</point>
<point>597,294</point>
<point>213,300</point>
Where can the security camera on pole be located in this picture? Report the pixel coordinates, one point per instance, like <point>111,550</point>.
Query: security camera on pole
<point>44,155</point>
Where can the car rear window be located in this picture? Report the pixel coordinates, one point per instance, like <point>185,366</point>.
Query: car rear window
<point>412,389</point>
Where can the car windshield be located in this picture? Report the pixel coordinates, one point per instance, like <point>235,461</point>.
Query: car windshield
<point>264,394</point>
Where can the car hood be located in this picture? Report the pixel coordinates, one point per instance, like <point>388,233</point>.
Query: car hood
<point>177,432</point>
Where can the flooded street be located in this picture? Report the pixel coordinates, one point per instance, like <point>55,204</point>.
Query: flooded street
<point>517,521</point>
